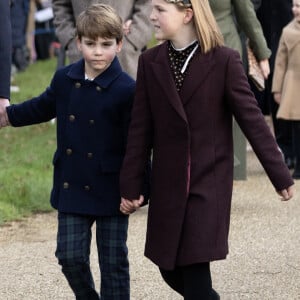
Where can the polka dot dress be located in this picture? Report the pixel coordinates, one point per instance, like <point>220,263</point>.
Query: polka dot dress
<point>177,60</point>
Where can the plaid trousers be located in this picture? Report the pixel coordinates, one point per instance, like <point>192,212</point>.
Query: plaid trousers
<point>73,253</point>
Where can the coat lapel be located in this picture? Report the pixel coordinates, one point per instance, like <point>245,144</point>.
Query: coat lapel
<point>201,65</point>
<point>199,68</point>
<point>163,75</point>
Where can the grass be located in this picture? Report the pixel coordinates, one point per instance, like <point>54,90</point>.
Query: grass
<point>26,152</point>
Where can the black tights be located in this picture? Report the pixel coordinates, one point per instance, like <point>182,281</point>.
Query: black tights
<point>193,282</point>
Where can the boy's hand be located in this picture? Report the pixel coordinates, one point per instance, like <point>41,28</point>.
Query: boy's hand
<point>3,115</point>
<point>287,194</point>
<point>129,206</point>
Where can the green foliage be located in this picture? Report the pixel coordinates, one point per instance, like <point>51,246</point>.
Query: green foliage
<point>26,153</point>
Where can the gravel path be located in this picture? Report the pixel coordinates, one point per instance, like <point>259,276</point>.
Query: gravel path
<point>263,264</point>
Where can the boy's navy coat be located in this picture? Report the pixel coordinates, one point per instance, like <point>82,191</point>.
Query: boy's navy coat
<point>92,123</point>
<point>192,168</point>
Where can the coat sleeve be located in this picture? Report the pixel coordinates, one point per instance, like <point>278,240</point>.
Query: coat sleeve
<point>280,66</point>
<point>249,24</point>
<point>141,28</point>
<point>5,49</point>
<point>34,111</point>
<point>139,143</point>
<point>251,120</point>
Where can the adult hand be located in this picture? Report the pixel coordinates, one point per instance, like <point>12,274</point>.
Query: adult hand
<point>277,97</point>
<point>129,206</point>
<point>126,27</point>
<point>3,115</point>
<point>265,67</point>
<point>287,194</point>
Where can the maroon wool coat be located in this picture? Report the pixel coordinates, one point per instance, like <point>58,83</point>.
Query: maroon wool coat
<point>190,134</point>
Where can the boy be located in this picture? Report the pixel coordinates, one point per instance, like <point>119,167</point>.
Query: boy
<point>91,100</point>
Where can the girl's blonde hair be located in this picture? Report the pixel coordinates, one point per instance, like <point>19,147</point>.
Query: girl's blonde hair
<point>99,20</point>
<point>207,29</point>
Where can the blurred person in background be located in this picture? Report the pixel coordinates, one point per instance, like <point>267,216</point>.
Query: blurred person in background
<point>137,27</point>
<point>273,16</point>
<point>286,81</point>
<point>44,29</point>
<point>19,16</point>
<point>234,17</point>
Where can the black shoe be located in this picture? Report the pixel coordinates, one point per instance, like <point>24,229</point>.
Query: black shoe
<point>215,295</point>
<point>290,163</point>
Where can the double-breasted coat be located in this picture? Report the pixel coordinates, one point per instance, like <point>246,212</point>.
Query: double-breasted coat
<point>67,11</point>
<point>286,79</point>
<point>92,123</point>
<point>190,134</point>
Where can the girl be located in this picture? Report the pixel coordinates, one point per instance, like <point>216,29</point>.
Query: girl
<point>188,89</point>
<point>91,100</point>
<point>287,79</point>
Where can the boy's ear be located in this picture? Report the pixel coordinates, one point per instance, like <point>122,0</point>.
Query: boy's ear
<point>78,43</point>
<point>119,46</point>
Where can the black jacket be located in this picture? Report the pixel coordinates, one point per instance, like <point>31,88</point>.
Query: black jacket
<point>5,49</point>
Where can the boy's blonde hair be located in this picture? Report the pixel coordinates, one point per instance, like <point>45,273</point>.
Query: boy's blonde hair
<point>99,20</point>
<point>207,29</point>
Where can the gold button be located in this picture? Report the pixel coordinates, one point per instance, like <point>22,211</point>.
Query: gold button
<point>90,155</point>
<point>69,151</point>
<point>77,85</point>
<point>71,118</point>
<point>87,187</point>
<point>98,88</point>
<point>92,122</point>
<point>66,185</point>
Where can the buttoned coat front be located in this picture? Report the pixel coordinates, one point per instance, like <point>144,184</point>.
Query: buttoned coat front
<point>92,123</point>
<point>190,134</point>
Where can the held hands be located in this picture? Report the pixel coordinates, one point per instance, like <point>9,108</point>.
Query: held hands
<point>265,67</point>
<point>3,115</point>
<point>129,206</point>
<point>287,194</point>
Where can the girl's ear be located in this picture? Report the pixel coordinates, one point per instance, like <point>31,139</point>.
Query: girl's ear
<point>189,13</point>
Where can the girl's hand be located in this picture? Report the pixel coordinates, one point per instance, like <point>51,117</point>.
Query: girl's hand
<point>265,67</point>
<point>277,97</point>
<point>287,194</point>
<point>129,206</point>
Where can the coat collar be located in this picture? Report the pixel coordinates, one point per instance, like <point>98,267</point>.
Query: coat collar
<point>76,72</point>
<point>198,70</point>
<point>292,38</point>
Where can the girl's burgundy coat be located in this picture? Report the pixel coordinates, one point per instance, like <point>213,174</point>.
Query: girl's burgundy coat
<point>190,134</point>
